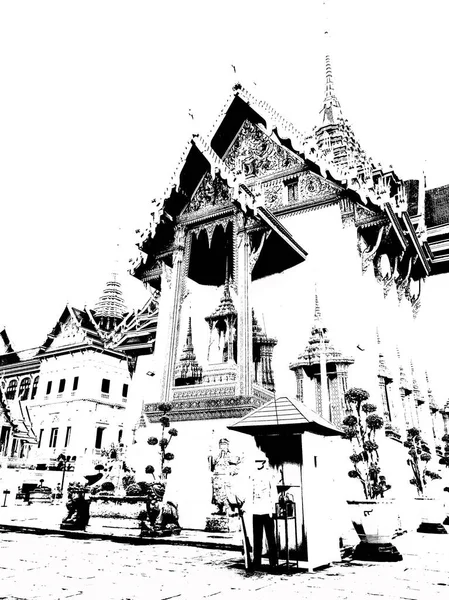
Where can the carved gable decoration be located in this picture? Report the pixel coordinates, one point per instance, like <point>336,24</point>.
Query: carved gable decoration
<point>312,187</point>
<point>364,216</point>
<point>255,154</point>
<point>212,192</point>
<point>70,334</point>
<point>303,188</point>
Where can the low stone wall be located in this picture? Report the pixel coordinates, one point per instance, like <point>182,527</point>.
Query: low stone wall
<point>117,507</point>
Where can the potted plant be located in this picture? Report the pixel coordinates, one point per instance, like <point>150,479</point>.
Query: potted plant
<point>431,510</point>
<point>374,518</point>
<point>162,517</point>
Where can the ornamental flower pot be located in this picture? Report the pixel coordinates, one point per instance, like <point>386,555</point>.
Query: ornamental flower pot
<point>375,519</point>
<point>375,522</point>
<point>432,515</point>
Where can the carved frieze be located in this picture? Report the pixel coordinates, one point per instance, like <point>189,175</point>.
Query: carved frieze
<point>212,192</point>
<point>311,187</point>
<point>255,154</point>
<point>204,408</point>
<point>273,192</point>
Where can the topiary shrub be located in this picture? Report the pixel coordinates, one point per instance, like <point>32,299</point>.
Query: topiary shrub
<point>107,486</point>
<point>134,490</point>
<point>145,487</point>
<point>360,426</point>
<point>127,480</point>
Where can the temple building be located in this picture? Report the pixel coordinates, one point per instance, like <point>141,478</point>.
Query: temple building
<point>257,218</point>
<point>71,395</point>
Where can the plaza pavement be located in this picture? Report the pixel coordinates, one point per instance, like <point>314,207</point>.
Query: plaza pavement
<point>53,566</point>
<point>35,567</point>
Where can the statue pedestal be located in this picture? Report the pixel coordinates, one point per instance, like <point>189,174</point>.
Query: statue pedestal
<point>222,523</point>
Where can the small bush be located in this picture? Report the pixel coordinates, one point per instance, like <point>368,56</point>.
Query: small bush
<point>107,486</point>
<point>127,480</point>
<point>134,490</point>
<point>144,486</point>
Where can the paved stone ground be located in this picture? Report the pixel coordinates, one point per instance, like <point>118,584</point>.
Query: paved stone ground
<point>50,567</point>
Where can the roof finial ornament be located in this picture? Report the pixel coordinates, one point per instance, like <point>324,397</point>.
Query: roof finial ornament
<point>331,107</point>
<point>317,315</point>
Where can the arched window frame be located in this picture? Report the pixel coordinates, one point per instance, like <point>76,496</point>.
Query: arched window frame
<point>24,388</point>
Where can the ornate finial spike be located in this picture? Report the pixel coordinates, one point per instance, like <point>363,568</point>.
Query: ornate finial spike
<point>189,332</point>
<point>317,308</point>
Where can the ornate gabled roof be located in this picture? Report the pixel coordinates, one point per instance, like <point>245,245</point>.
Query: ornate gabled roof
<point>111,304</point>
<point>318,344</point>
<point>8,355</point>
<point>187,368</point>
<point>137,330</point>
<point>208,155</point>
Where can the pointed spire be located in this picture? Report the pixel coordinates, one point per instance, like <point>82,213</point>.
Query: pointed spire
<point>187,370</point>
<point>111,307</point>
<point>403,379</point>
<point>331,106</point>
<point>317,316</point>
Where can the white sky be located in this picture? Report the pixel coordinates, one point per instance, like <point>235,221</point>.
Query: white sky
<point>94,115</point>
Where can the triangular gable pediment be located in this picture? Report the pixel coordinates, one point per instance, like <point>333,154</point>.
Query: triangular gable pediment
<point>255,154</point>
<point>282,175</point>
<point>70,334</point>
<point>66,332</point>
<point>213,192</point>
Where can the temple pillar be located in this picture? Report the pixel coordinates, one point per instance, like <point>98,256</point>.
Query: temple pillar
<point>176,290</point>
<point>244,322</point>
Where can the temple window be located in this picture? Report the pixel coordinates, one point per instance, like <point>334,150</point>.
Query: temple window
<point>61,386</point>
<point>4,440</point>
<point>14,447</point>
<point>75,383</point>
<point>24,388</point>
<point>11,391</point>
<point>41,433</point>
<point>120,435</point>
<point>48,387</point>
<point>53,437</point>
<point>34,390</point>
<point>68,433</point>
<point>292,192</point>
<point>99,437</point>
<point>105,385</point>
<point>125,390</point>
